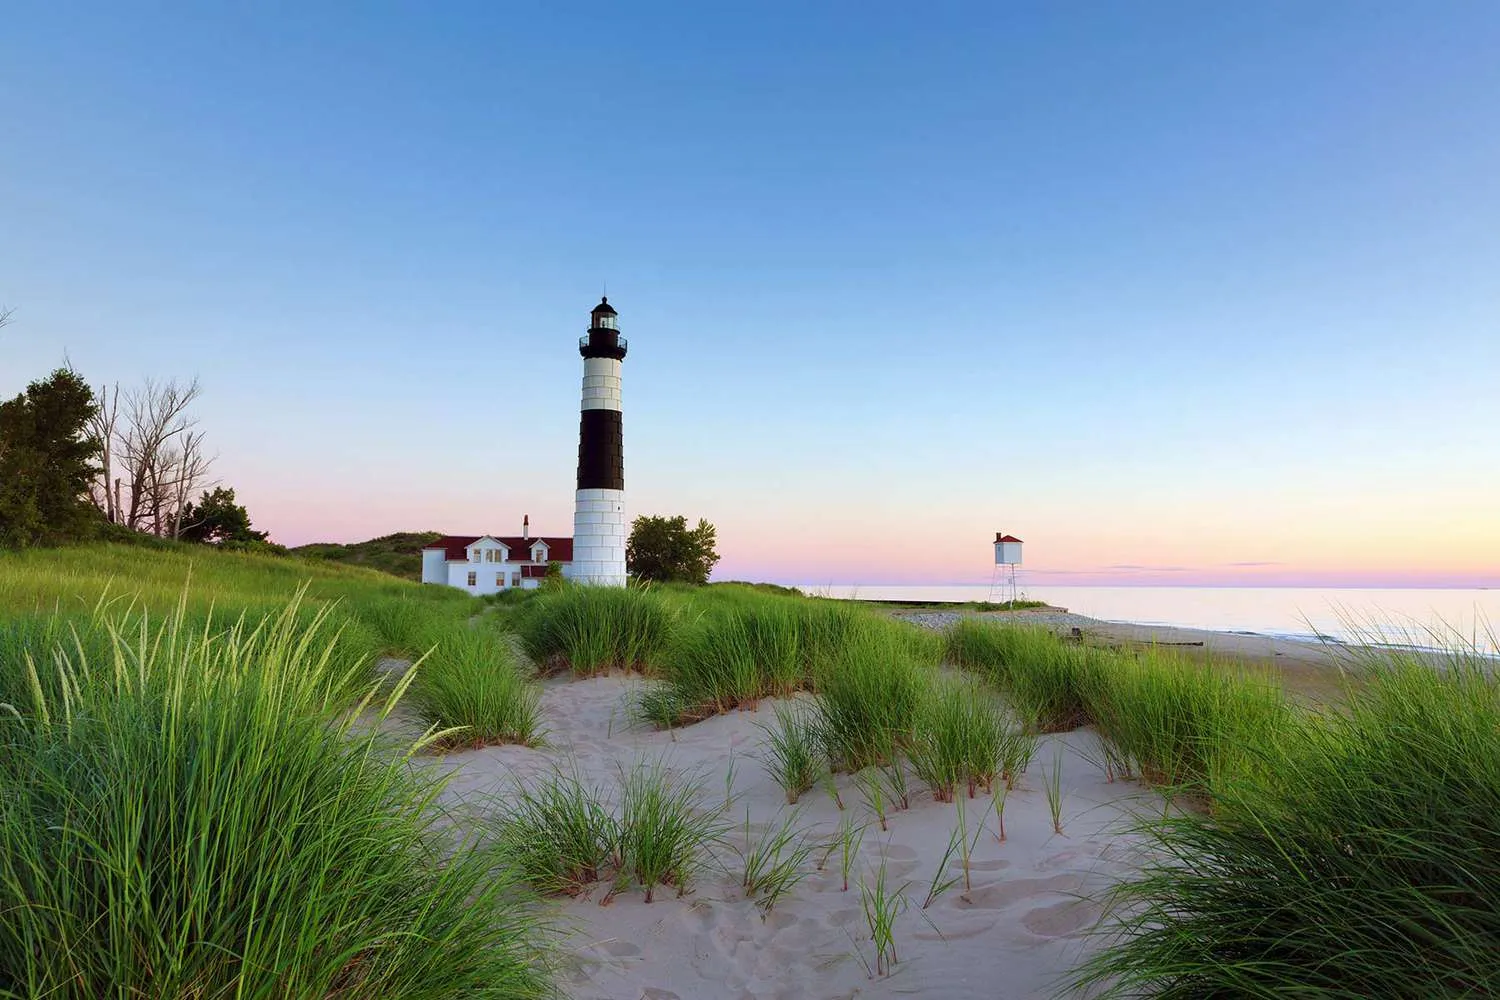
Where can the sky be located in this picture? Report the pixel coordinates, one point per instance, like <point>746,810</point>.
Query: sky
<point>1179,293</point>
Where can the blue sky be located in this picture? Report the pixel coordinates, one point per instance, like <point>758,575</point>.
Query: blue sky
<point>1166,289</point>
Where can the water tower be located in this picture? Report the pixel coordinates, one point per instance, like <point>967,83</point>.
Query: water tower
<point>1007,558</point>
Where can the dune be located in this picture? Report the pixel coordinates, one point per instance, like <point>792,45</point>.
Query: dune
<point>1022,923</point>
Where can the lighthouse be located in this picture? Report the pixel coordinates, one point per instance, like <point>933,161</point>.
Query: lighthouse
<point>599,509</point>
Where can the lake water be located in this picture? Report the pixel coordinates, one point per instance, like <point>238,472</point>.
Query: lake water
<point>1294,612</point>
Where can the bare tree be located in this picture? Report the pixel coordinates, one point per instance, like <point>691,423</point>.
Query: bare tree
<point>192,476</point>
<point>161,455</point>
<point>106,490</point>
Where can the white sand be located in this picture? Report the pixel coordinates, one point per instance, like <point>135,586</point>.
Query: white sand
<point>1021,927</point>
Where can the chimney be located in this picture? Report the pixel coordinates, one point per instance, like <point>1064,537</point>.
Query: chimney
<point>526,527</point>
<point>997,536</point>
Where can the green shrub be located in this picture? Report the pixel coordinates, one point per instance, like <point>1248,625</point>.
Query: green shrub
<point>196,814</point>
<point>1361,860</point>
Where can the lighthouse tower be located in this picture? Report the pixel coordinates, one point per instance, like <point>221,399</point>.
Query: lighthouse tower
<point>599,513</point>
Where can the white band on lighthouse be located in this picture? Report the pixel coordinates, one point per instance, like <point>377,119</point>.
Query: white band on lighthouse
<point>601,384</point>
<point>599,537</point>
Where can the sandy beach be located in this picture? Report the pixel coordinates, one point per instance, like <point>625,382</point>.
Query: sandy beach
<point>1021,925</point>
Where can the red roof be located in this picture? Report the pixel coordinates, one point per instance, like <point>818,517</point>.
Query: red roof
<point>454,546</point>
<point>1006,538</point>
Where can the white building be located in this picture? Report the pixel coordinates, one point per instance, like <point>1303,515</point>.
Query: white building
<point>488,564</point>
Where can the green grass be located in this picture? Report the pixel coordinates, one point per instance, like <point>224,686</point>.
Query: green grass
<point>959,739</point>
<point>470,684</point>
<point>1359,858</point>
<point>1179,724</point>
<point>667,833</point>
<point>592,630</point>
<point>191,810</point>
<point>775,863</point>
<point>399,554</point>
<point>869,694</point>
<point>792,754</point>
<point>559,834</point>
<point>1040,675</point>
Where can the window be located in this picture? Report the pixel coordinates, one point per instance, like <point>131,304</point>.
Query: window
<point>473,578</point>
<point>499,579</point>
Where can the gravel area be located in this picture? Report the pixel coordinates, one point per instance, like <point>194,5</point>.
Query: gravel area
<point>940,620</point>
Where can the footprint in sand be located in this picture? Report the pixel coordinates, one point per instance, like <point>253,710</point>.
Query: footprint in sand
<point>1003,895</point>
<point>620,949</point>
<point>778,921</point>
<point>958,928</point>
<point>1062,919</point>
<point>900,852</point>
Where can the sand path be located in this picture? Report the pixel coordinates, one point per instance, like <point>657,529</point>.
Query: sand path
<point>1022,925</point>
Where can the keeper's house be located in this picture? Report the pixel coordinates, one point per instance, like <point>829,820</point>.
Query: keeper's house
<point>488,564</point>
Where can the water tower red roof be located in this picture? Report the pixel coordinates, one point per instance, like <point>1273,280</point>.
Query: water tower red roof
<point>1006,538</point>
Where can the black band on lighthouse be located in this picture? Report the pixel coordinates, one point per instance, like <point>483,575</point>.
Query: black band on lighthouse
<point>601,451</point>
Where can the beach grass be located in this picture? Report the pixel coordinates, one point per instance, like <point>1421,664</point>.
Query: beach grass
<point>191,809</point>
<point>792,752</point>
<point>593,630</point>
<point>1041,676</point>
<point>958,740</point>
<point>667,832</point>
<point>471,685</point>
<point>1179,724</point>
<point>1361,858</point>
<point>869,695</point>
<point>559,834</point>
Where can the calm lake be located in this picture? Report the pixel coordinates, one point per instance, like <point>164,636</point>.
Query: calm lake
<point>1283,611</point>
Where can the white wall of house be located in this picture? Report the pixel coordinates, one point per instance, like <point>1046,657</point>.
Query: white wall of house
<point>434,566</point>
<point>489,578</point>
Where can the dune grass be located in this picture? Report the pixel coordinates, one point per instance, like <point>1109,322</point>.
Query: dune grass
<point>190,810</point>
<point>793,752</point>
<point>958,740</point>
<point>667,833</point>
<point>471,685</point>
<point>592,630</point>
<point>1361,859</point>
<point>869,694</point>
<point>1179,724</point>
<point>1041,676</point>
<point>559,834</point>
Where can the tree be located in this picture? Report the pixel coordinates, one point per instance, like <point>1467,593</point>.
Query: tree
<point>665,549</point>
<point>217,518</point>
<point>161,455</point>
<point>46,462</point>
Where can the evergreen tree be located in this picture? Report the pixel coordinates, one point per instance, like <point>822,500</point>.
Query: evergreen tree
<point>217,518</point>
<point>46,463</point>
